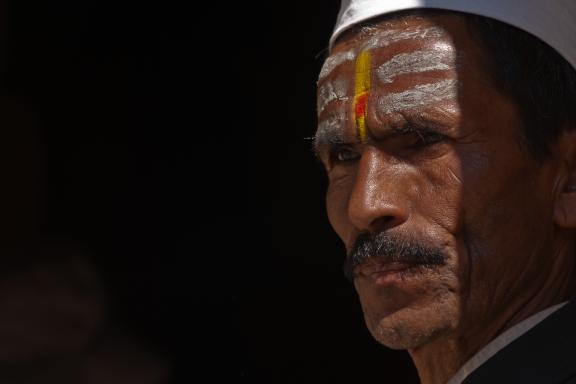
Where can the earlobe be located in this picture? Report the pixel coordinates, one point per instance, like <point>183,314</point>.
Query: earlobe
<point>565,209</point>
<point>565,204</point>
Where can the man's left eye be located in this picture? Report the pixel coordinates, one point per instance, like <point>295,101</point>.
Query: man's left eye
<point>343,155</point>
<point>421,139</point>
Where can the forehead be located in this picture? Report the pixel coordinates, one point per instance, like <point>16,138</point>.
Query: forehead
<point>409,64</point>
<point>397,39</point>
<point>396,34</point>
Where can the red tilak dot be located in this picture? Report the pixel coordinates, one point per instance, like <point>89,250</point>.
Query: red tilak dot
<point>361,105</point>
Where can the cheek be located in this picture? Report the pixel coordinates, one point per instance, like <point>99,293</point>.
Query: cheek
<point>438,197</point>
<point>337,198</point>
<point>494,193</point>
<point>502,223</point>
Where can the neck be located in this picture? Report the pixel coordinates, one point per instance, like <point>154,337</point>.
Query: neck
<point>440,359</point>
<point>437,362</point>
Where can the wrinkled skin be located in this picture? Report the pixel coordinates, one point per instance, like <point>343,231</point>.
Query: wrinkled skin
<point>504,219</point>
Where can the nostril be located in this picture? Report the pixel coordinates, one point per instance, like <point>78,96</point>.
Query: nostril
<point>384,223</point>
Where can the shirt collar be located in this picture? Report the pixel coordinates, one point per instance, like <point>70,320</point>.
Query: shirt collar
<point>500,342</point>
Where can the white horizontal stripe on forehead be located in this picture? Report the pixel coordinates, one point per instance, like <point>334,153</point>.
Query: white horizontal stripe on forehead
<point>333,61</point>
<point>385,38</point>
<point>331,128</point>
<point>419,96</point>
<point>379,40</point>
<point>416,62</point>
<point>552,21</point>
<point>332,90</point>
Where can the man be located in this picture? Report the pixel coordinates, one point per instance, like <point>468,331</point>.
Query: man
<point>449,142</point>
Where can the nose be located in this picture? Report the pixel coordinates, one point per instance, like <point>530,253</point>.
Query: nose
<point>378,201</point>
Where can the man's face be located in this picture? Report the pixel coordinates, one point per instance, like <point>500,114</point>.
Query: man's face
<point>428,179</point>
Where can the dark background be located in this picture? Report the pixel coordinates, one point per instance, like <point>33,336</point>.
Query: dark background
<point>170,142</point>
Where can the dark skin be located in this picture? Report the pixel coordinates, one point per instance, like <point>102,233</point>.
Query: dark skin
<point>453,174</point>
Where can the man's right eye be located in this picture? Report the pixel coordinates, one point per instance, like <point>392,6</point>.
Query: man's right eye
<point>343,154</point>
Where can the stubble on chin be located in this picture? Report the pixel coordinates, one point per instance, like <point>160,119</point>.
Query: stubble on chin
<point>413,326</point>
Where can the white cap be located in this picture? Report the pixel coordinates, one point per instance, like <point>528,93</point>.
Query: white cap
<point>552,21</point>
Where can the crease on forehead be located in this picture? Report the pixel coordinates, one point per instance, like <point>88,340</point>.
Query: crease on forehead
<point>379,39</point>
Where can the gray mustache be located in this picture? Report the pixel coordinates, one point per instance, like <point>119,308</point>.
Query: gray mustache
<point>387,248</point>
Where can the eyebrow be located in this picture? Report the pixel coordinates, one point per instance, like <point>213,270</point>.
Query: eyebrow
<point>327,139</point>
<point>409,127</point>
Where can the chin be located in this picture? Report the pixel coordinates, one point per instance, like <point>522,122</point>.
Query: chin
<point>412,326</point>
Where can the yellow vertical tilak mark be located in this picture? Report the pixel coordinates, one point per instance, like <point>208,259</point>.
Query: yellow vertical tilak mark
<point>361,90</point>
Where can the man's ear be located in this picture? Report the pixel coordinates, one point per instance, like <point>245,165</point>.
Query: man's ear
<point>565,204</point>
